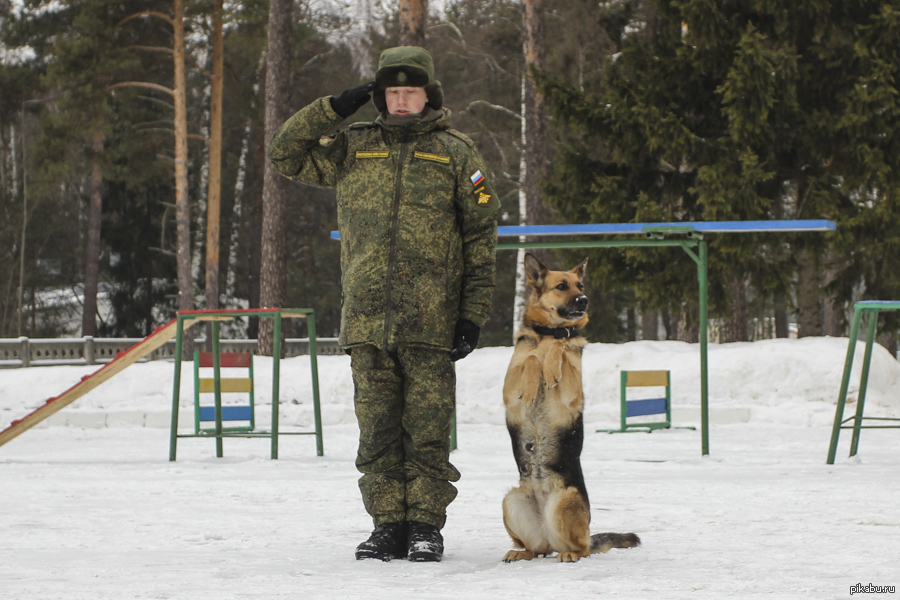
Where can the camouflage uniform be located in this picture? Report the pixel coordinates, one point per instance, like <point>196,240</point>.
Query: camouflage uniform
<point>418,236</point>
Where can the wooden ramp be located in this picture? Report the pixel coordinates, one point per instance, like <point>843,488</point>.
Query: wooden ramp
<point>126,358</point>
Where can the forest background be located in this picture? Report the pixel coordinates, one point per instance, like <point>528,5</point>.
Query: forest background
<point>585,111</point>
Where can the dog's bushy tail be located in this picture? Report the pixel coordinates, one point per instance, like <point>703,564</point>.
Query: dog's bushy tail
<point>603,542</point>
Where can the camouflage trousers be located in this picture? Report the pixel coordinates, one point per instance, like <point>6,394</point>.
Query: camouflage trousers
<point>404,399</point>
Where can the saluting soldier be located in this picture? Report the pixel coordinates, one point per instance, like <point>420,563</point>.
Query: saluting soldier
<point>418,238</point>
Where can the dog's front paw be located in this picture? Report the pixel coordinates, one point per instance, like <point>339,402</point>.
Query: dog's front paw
<point>528,396</point>
<point>568,557</point>
<point>514,555</point>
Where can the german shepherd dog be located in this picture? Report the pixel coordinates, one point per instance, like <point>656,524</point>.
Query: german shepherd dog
<point>549,511</point>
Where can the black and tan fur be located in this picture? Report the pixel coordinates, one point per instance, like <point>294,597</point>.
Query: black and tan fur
<point>549,511</point>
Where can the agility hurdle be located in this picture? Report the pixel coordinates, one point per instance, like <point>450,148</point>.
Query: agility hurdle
<point>870,308</point>
<point>688,236</point>
<point>188,318</point>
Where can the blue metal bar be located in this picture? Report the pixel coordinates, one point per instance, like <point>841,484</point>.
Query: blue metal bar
<point>644,228</point>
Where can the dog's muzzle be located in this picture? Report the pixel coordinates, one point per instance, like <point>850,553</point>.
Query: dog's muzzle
<point>576,308</point>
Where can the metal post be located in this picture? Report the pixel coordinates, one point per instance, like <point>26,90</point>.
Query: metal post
<point>864,380</point>
<point>704,364</point>
<point>276,373</point>
<point>217,386</point>
<point>314,371</point>
<point>24,223</point>
<point>845,384</point>
<point>173,432</point>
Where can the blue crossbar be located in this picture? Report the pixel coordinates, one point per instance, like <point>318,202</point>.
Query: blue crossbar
<point>650,406</point>
<point>229,413</point>
<point>639,228</point>
<point>699,226</point>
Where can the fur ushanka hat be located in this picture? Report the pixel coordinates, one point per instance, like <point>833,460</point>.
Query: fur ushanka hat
<point>406,66</point>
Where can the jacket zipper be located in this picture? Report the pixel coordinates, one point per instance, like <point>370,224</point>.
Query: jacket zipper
<point>391,254</point>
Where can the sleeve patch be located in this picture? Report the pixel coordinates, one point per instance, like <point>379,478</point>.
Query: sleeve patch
<point>483,196</point>
<point>476,178</point>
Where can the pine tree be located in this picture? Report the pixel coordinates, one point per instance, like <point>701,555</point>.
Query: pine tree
<point>718,112</point>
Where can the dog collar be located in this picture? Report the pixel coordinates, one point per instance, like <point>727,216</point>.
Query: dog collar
<point>557,332</point>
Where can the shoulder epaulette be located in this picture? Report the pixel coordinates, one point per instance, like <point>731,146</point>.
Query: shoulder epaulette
<point>459,134</point>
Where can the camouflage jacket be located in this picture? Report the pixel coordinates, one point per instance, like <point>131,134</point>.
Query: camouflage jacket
<point>415,214</point>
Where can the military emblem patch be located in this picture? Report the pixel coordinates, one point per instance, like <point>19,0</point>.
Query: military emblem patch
<point>483,197</point>
<point>477,178</point>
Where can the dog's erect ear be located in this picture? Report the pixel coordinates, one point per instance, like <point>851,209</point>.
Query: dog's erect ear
<point>535,271</point>
<point>581,269</point>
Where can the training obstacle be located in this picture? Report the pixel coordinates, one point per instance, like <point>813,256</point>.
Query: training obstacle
<point>688,236</point>
<point>871,308</point>
<point>123,360</point>
<point>219,432</point>
<point>243,414</point>
<point>644,407</point>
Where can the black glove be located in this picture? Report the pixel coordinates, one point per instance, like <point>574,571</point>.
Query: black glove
<point>465,338</point>
<point>351,100</point>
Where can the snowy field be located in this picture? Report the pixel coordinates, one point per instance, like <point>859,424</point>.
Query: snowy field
<point>91,508</point>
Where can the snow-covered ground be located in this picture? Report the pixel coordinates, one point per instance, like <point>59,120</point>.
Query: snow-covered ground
<point>91,507</point>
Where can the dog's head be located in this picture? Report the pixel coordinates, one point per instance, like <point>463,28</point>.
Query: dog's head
<point>557,298</point>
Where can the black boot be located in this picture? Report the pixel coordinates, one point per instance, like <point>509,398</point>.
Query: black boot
<point>425,543</point>
<point>386,542</point>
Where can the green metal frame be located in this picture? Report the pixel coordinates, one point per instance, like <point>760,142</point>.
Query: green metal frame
<point>186,319</point>
<point>251,403</point>
<point>870,308</point>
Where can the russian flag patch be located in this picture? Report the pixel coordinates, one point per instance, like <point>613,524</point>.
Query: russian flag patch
<point>477,178</point>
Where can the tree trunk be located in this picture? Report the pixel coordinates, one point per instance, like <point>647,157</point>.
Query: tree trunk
<point>809,297</point>
<point>215,162</point>
<point>412,15</point>
<point>649,325</point>
<point>631,324</point>
<point>781,318</point>
<point>535,142</point>
<point>531,166</point>
<point>832,308</point>
<point>273,279</point>
<point>688,330</point>
<point>182,205</point>
<point>736,324</point>
<point>92,241</point>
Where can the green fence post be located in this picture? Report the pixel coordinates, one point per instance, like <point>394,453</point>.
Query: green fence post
<point>276,373</point>
<point>314,372</point>
<point>176,388</point>
<point>864,381</point>
<point>217,387</point>
<point>845,385</point>
<point>704,361</point>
